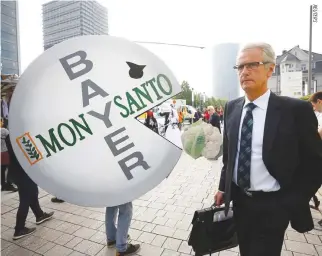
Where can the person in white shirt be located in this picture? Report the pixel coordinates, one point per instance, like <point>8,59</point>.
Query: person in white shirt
<point>271,151</point>
<point>316,100</point>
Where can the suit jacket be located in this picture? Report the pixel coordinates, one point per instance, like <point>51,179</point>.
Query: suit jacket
<point>292,153</point>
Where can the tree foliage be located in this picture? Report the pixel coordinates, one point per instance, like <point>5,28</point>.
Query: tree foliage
<point>186,94</point>
<point>306,97</point>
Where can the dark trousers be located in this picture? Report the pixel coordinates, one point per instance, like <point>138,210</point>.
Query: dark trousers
<point>5,122</point>
<point>5,180</point>
<point>28,197</point>
<point>3,175</point>
<point>261,223</point>
<point>315,200</point>
<point>166,123</point>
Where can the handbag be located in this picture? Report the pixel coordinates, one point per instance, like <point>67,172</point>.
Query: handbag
<point>212,231</point>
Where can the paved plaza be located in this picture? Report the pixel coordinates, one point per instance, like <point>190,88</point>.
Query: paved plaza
<point>161,221</point>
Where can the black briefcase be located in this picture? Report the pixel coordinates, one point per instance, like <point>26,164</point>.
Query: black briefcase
<point>212,231</point>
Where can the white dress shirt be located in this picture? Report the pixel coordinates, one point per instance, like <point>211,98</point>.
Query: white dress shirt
<point>319,117</point>
<point>260,179</point>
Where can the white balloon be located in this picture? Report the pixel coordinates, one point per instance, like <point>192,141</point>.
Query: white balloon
<point>62,138</point>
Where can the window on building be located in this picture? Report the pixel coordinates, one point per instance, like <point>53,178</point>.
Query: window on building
<point>9,71</point>
<point>8,20</point>
<point>8,37</point>
<point>11,4</point>
<point>303,67</point>
<point>9,64</point>
<point>8,11</point>
<point>9,55</point>
<point>5,46</point>
<point>8,28</point>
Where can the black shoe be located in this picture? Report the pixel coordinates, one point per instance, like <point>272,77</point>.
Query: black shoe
<point>57,200</point>
<point>131,249</point>
<point>12,188</point>
<point>45,217</point>
<point>316,205</point>
<point>22,233</point>
<point>9,187</point>
<point>111,244</point>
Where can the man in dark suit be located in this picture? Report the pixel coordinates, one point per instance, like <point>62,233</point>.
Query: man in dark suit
<point>272,155</point>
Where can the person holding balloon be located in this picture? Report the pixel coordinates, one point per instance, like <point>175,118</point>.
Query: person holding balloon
<point>118,236</point>
<point>28,196</point>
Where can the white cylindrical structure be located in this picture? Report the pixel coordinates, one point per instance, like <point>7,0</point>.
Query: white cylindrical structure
<point>192,97</point>
<point>224,78</point>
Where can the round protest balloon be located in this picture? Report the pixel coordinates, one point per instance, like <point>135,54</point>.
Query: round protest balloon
<point>73,122</point>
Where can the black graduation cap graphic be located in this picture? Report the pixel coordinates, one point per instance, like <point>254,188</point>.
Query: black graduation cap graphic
<point>136,71</point>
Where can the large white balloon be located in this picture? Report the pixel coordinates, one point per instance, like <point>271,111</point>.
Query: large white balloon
<point>73,121</point>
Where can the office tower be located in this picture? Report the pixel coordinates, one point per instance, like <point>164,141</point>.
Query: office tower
<point>10,48</point>
<point>66,19</point>
<point>224,77</point>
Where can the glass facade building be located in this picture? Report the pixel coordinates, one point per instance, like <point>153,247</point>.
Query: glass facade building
<point>10,48</point>
<point>225,79</point>
<point>66,19</point>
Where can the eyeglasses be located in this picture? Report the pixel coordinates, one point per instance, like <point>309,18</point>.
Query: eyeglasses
<point>249,66</point>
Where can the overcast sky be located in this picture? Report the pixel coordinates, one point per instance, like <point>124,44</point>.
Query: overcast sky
<point>284,24</point>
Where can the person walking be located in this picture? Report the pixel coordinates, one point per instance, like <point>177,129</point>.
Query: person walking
<point>206,115</point>
<point>6,180</point>
<point>214,120</point>
<point>180,121</point>
<point>221,114</point>
<point>271,155</point>
<point>151,122</point>
<point>28,197</point>
<point>316,101</point>
<point>118,236</point>
<point>197,116</point>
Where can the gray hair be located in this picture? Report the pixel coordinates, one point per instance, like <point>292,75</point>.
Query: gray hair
<point>268,52</point>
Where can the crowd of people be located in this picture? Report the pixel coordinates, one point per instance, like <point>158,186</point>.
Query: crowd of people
<point>212,115</point>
